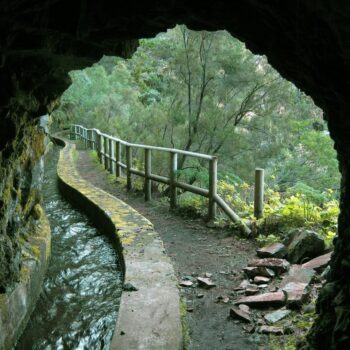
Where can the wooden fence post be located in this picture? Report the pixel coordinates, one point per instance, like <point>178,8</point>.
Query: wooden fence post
<point>101,150</point>
<point>148,171</point>
<point>172,178</point>
<point>111,155</point>
<point>118,170</point>
<point>212,188</point>
<point>106,151</point>
<point>85,133</point>
<point>259,193</point>
<point>128,156</point>
<point>93,142</point>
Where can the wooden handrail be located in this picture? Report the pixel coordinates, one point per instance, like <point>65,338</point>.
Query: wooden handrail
<point>109,154</point>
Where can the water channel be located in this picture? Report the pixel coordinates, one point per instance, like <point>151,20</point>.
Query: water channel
<point>78,306</point>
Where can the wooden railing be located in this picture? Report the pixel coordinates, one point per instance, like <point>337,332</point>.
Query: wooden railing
<point>109,150</point>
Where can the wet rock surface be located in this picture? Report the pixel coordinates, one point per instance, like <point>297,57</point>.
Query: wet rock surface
<point>304,244</point>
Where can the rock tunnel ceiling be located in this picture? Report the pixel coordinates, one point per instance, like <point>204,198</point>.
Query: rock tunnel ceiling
<point>306,41</point>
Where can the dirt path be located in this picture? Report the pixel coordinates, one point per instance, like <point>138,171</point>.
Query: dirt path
<point>194,250</point>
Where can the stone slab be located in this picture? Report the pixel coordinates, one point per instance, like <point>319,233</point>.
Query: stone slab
<point>277,265</point>
<point>319,262</point>
<point>298,274</point>
<point>277,315</point>
<point>262,300</point>
<point>274,250</point>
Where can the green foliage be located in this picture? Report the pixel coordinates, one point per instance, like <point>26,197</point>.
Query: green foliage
<point>205,92</point>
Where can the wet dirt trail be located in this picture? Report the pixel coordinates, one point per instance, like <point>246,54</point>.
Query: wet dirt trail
<point>195,250</point>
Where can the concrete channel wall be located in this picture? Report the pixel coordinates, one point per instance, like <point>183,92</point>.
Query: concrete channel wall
<point>149,312</point>
<point>17,305</point>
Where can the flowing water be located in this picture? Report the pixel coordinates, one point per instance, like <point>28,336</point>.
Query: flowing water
<point>78,306</point>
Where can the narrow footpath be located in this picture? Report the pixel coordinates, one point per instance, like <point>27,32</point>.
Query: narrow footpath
<point>195,251</point>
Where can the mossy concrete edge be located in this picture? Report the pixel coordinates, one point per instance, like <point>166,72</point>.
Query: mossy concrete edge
<point>149,317</point>
<point>17,306</point>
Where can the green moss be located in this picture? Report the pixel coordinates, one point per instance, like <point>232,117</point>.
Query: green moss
<point>36,251</point>
<point>288,342</point>
<point>184,324</point>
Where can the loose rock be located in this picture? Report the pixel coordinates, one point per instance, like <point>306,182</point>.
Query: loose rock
<point>205,282</point>
<point>186,283</point>
<point>261,280</point>
<point>277,315</point>
<point>296,293</point>
<point>271,330</point>
<point>262,300</point>
<point>277,265</point>
<point>274,250</point>
<point>239,314</point>
<point>319,262</point>
<point>252,271</point>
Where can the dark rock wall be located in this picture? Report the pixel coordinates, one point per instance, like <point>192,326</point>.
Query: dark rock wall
<point>307,41</point>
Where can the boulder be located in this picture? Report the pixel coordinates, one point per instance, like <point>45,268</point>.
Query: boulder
<point>274,250</point>
<point>304,244</point>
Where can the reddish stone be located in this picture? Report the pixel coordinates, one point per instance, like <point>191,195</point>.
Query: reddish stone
<point>266,299</point>
<point>240,314</point>
<point>298,274</point>
<point>274,250</point>
<point>277,265</point>
<point>319,262</point>
<point>297,292</point>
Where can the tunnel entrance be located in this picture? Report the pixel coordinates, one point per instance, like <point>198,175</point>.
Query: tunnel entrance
<point>306,41</point>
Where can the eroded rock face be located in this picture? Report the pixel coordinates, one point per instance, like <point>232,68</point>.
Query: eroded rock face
<point>307,41</point>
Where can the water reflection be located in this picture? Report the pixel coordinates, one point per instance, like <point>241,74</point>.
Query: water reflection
<point>78,306</point>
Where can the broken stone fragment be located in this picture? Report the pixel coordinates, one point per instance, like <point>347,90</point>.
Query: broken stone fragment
<point>244,307</point>
<point>128,287</point>
<point>205,282</point>
<point>252,271</point>
<point>222,299</point>
<point>298,274</point>
<point>319,262</point>
<point>249,328</point>
<point>297,293</point>
<point>277,315</point>
<point>277,265</point>
<point>208,275</point>
<point>261,280</point>
<point>274,250</point>
<point>240,314</point>
<point>251,290</point>
<point>243,285</point>
<point>186,283</point>
<point>303,244</point>
<point>264,300</point>
<point>200,295</point>
<point>270,330</point>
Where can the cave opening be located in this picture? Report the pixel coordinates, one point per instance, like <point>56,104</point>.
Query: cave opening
<point>306,41</point>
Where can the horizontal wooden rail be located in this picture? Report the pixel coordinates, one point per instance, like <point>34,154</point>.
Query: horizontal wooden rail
<point>109,151</point>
